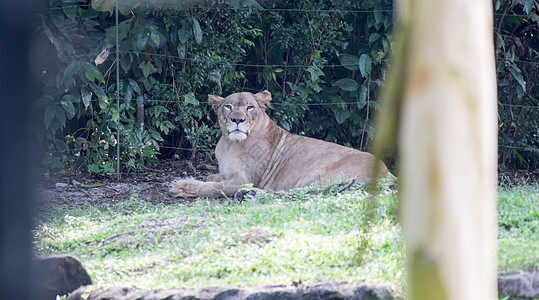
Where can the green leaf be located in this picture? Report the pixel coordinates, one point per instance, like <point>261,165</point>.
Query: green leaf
<point>49,116</point>
<point>128,94</point>
<point>341,114</point>
<point>123,86</point>
<point>125,62</point>
<point>104,5</point>
<point>185,32</point>
<point>70,11</point>
<point>166,126</point>
<point>350,62</point>
<point>141,39</point>
<point>98,90</point>
<point>362,97</point>
<point>197,31</point>
<point>103,104</point>
<point>365,65</point>
<point>57,17</point>
<point>134,85</point>
<point>127,7</point>
<point>43,102</point>
<point>378,55</point>
<point>373,38</point>
<point>67,104</point>
<point>378,16</point>
<point>89,14</point>
<point>315,73</point>
<point>155,37</point>
<point>339,101</point>
<point>47,32</point>
<point>60,114</point>
<point>385,44</point>
<point>181,50</point>
<point>347,84</point>
<point>527,5</point>
<point>123,29</point>
<point>86,96</point>
<point>115,115</point>
<point>190,99</point>
<point>517,74</point>
<point>146,68</point>
<point>61,145</point>
<point>375,105</point>
<point>73,68</point>
<point>90,23</point>
<point>92,72</point>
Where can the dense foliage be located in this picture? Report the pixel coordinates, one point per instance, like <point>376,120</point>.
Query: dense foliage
<point>323,61</point>
<point>517,51</point>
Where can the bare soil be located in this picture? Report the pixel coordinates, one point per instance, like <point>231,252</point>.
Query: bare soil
<point>79,190</point>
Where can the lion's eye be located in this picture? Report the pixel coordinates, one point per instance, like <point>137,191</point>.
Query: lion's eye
<point>228,107</point>
<point>250,107</point>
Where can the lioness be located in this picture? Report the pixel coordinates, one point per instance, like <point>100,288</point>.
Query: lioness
<point>254,150</point>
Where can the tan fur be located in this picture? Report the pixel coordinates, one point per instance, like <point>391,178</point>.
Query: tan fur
<point>254,150</point>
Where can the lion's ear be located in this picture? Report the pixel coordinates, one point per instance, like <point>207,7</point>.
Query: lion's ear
<point>215,101</point>
<point>262,98</point>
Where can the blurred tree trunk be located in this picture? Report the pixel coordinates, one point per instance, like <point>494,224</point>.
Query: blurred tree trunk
<point>443,97</point>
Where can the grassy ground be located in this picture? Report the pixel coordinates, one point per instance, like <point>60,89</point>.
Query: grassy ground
<point>288,238</point>
<point>518,232</point>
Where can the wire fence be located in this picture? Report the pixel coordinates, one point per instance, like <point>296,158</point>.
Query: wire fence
<point>163,4</point>
<point>179,5</point>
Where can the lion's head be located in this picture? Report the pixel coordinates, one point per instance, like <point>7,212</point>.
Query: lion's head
<point>239,112</point>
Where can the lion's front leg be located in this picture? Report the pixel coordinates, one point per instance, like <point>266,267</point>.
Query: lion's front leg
<point>189,188</point>
<point>186,188</point>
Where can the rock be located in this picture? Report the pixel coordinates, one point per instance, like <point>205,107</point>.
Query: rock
<point>60,185</point>
<point>325,290</point>
<point>519,286</point>
<point>58,275</point>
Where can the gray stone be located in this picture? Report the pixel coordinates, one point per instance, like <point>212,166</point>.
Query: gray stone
<point>519,286</point>
<point>58,275</point>
<point>325,290</point>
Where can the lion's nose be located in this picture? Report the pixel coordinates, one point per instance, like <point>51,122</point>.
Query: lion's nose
<point>237,120</point>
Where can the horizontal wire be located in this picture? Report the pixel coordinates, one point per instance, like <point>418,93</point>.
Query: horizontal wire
<point>213,7</point>
<point>198,60</point>
<point>518,105</point>
<point>211,150</point>
<point>520,148</point>
<point>292,104</point>
<point>154,5</point>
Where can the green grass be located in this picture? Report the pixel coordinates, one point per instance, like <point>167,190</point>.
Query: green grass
<point>518,232</point>
<point>313,237</point>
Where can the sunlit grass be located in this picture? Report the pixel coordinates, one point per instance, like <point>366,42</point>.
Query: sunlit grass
<point>311,237</point>
<point>518,232</point>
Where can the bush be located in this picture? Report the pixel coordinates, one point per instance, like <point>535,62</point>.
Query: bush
<point>323,61</point>
<point>517,52</point>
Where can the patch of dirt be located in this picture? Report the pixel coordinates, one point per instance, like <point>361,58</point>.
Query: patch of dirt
<point>518,177</point>
<point>80,190</point>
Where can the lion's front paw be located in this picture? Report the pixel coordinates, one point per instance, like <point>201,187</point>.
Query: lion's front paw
<point>241,193</point>
<point>184,188</point>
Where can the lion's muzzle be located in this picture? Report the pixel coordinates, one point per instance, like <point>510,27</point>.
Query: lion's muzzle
<point>237,131</point>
